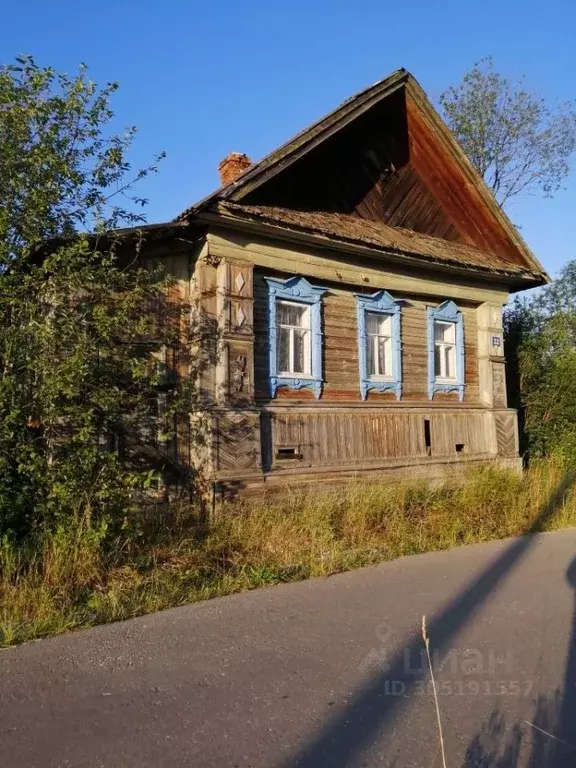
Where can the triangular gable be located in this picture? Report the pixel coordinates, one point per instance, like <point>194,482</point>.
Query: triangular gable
<point>302,143</point>
<point>384,155</point>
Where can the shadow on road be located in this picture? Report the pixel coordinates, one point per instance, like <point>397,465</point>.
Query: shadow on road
<point>549,739</point>
<point>370,711</point>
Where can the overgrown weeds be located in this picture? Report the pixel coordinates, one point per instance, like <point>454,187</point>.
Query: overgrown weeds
<point>78,575</point>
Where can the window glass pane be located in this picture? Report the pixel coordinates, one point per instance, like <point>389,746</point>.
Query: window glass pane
<point>281,313</point>
<point>372,323</point>
<point>437,353</point>
<point>301,352</point>
<point>450,362</point>
<point>377,323</point>
<point>383,359</point>
<point>445,332</point>
<point>283,349</point>
<point>296,315</point>
<point>445,361</point>
<point>370,358</point>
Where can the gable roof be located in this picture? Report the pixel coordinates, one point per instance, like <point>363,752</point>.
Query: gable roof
<point>484,235</point>
<point>302,143</point>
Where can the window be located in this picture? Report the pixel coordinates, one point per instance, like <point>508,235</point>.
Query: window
<point>445,350</point>
<point>295,342</point>
<point>379,347</point>
<point>294,350</point>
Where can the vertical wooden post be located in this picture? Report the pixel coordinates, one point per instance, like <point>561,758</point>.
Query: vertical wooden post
<point>235,310</point>
<point>491,363</point>
<point>237,423</point>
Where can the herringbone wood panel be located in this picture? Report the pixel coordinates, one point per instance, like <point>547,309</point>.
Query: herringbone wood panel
<point>506,433</point>
<point>237,446</point>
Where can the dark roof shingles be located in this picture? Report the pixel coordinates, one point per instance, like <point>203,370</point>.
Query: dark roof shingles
<point>375,234</point>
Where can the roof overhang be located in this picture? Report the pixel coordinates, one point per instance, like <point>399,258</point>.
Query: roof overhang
<point>512,281</point>
<point>148,232</point>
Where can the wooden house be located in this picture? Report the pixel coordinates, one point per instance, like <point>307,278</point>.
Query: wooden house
<point>355,279</point>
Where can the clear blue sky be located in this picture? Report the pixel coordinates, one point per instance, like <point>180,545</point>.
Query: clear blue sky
<point>203,79</point>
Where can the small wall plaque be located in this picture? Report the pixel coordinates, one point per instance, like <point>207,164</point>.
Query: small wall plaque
<point>496,341</point>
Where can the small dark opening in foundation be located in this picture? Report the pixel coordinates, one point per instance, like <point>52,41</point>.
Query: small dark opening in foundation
<point>460,447</point>
<point>288,453</point>
<point>427,437</point>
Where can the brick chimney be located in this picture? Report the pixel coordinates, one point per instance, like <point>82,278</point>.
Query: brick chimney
<point>233,166</point>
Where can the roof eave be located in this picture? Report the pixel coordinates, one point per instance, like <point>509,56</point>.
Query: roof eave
<point>513,281</point>
<point>158,230</point>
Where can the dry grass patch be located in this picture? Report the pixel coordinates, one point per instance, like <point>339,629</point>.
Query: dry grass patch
<point>78,576</point>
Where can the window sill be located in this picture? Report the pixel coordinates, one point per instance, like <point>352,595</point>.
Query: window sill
<point>295,382</point>
<point>380,385</point>
<point>439,385</point>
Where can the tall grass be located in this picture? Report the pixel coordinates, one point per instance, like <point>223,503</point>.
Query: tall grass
<point>78,576</point>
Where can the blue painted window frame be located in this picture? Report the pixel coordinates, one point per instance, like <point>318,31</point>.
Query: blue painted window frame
<point>447,312</point>
<point>383,303</point>
<point>298,290</point>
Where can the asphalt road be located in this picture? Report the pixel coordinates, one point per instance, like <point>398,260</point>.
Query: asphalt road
<point>320,673</point>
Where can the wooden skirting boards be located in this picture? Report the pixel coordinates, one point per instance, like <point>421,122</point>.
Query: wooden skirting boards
<point>278,483</point>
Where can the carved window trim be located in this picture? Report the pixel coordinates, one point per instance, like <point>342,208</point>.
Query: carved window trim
<point>299,291</point>
<point>447,312</point>
<point>382,303</point>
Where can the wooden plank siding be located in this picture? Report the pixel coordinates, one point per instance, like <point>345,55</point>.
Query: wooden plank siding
<point>265,442</point>
<point>340,349</point>
<point>344,437</point>
<point>452,199</point>
<point>409,203</point>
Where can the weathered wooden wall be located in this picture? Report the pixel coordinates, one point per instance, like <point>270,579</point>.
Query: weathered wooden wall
<point>347,437</point>
<point>255,440</point>
<point>340,348</point>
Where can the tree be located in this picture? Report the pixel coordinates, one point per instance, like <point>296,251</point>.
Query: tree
<point>518,143</point>
<point>82,356</point>
<point>61,167</point>
<point>541,355</point>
